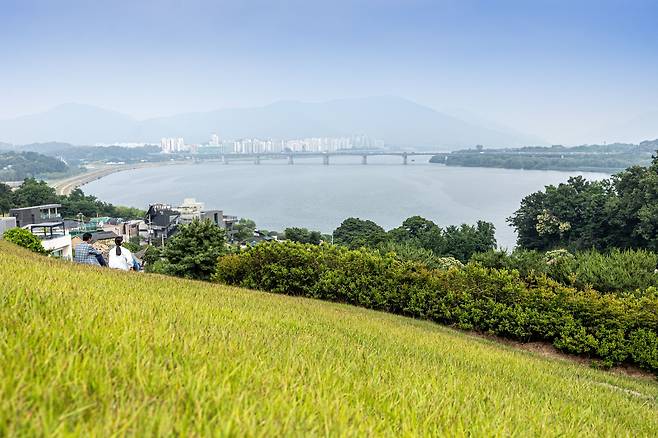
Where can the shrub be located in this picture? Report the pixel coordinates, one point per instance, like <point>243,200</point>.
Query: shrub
<point>616,271</point>
<point>560,265</point>
<point>24,238</point>
<point>615,328</point>
<point>407,251</point>
<point>526,262</point>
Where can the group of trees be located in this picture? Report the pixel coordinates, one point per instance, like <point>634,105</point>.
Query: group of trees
<point>418,237</point>
<point>543,162</point>
<point>33,192</point>
<point>16,166</point>
<point>586,157</point>
<point>620,212</point>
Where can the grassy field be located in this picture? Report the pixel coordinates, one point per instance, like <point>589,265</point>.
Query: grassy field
<point>85,351</point>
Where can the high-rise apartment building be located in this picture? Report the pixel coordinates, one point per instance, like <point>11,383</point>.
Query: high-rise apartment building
<point>173,145</point>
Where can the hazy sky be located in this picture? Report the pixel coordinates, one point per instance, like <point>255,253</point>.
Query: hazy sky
<point>561,70</point>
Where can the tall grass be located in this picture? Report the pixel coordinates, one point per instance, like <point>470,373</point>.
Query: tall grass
<point>85,351</point>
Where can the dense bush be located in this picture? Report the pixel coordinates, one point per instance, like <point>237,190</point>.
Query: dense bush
<point>24,238</point>
<point>616,328</point>
<point>616,271</point>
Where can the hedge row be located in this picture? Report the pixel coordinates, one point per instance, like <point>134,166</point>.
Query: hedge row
<point>615,328</point>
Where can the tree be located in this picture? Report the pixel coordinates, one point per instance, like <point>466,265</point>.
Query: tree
<point>77,202</point>
<point>355,233</point>
<point>303,235</point>
<point>193,251</point>
<point>24,238</point>
<point>420,232</point>
<point>244,229</point>
<point>5,198</point>
<point>570,215</point>
<point>632,208</point>
<point>464,241</point>
<point>33,192</point>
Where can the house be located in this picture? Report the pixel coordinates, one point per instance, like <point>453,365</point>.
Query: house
<point>128,229</point>
<point>258,237</point>
<point>190,210</point>
<point>54,238</point>
<point>36,214</point>
<point>162,222</point>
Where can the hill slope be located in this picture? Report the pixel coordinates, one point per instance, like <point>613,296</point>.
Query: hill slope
<point>394,120</point>
<point>86,351</point>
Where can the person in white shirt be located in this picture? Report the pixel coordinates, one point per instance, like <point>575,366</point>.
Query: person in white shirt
<point>120,257</point>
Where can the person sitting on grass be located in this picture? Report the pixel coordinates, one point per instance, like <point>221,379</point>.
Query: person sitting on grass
<point>120,257</point>
<point>86,254</point>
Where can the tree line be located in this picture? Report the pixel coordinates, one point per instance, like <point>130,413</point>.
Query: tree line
<point>33,192</point>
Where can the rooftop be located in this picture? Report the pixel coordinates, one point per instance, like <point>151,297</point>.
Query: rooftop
<point>45,225</point>
<point>44,206</point>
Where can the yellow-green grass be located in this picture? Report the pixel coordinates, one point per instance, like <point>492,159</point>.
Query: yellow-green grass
<point>85,351</point>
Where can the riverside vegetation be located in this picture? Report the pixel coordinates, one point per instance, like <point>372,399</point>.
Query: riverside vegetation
<point>607,157</point>
<point>86,351</point>
<point>33,192</point>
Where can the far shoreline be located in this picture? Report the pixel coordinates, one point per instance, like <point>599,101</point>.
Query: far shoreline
<point>67,185</point>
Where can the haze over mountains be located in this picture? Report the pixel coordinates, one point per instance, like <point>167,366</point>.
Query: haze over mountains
<point>396,121</point>
<point>635,130</point>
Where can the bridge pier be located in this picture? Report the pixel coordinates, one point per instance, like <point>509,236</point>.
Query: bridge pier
<point>325,159</point>
<point>257,159</point>
<point>364,159</point>
<point>290,159</point>
<point>404,158</point>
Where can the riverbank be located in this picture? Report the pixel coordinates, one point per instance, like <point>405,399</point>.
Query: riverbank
<point>67,185</point>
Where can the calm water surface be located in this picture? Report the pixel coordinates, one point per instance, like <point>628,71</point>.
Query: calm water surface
<point>308,194</point>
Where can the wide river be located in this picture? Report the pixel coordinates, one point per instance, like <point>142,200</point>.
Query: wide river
<point>308,194</point>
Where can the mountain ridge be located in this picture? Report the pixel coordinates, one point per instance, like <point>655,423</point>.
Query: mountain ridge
<point>397,121</point>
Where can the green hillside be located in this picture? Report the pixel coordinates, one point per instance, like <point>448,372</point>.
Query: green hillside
<point>88,351</point>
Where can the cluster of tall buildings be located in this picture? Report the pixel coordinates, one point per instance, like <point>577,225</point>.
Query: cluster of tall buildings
<point>311,144</point>
<point>173,145</point>
<point>271,146</point>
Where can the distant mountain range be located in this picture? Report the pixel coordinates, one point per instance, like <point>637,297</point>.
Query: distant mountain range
<point>396,121</point>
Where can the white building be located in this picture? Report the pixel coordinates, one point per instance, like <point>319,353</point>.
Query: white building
<point>173,145</point>
<point>54,238</point>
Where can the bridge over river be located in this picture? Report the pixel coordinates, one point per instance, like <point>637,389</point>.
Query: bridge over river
<point>326,156</point>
